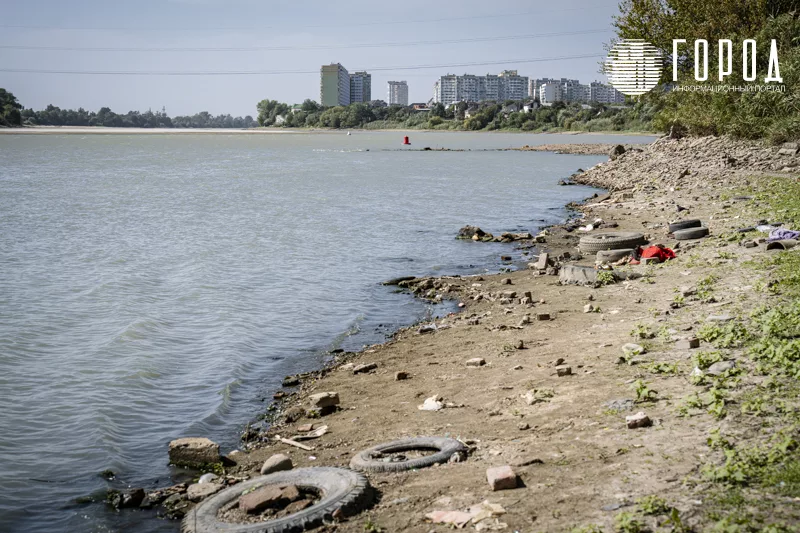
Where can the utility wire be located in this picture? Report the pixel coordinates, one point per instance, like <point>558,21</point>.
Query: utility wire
<point>250,28</point>
<point>307,47</point>
<point>284,72</point>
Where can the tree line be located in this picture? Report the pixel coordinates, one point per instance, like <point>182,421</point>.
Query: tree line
<point>13,114</point>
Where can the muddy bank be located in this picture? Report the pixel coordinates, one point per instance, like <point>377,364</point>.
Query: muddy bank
<point>566,423</point>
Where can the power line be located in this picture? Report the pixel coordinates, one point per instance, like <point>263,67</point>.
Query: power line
<point>259,28</point>
<point>285,72</point>
<point>307,47</point>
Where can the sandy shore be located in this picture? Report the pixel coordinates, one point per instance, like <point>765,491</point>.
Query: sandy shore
<point>563,432</point>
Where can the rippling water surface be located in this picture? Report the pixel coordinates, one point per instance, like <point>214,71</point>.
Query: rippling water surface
<point>153,287</point>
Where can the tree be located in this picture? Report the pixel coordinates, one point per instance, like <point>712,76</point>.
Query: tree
<point>10,109</point>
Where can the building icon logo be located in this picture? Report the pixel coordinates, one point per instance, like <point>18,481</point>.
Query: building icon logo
<point>633,66</point>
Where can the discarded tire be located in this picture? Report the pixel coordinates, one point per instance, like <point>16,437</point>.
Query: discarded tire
<point>685,224</point>
<point>340,489</point>
<point>608,256</point>
<point>691,233</point>
<point>368,460</point>
<point>611,241</point>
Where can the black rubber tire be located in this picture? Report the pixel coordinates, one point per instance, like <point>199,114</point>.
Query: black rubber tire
<point>685,224</point>
<point>614,255</point>
<point>611,241</point>
<point>341,489</point>
<point>446,447</point>
<point>691,233</point>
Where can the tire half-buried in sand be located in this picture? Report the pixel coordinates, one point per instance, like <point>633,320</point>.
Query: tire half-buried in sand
<point>339,489</point>
<point>374,459</point>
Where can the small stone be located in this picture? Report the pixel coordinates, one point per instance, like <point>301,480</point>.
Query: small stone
<point>277,463</point>
<point>297,506</point>
<point>193,451</point>
<point>476,362</point>
<point>525,301</point>
<point>364,368</point>
<point>588,308</point>
<point>126,498</point>
<point>267,497</point>
<point>522,426</point>
<point>543,262</point>
<point>291,381</point>
<point>633,349</point>
<point>687,291</point>
<point>207,478</point>
<point>400,376</point>
<point>201,491</point>
<point>506,281</point>
<point>520,345</point>
<point>501,477</point>
<point>688,344</point>
<point>639,420</point>
<point>509,295</point>
<point>518,367</point>
<point>720,368</point>
<point>542,316</point>
<point>525,320</point>
<point>324,399</point>
<point>294,413</point>
<point>304,428</point>
<point>563,370</point>
<point>590,297</point>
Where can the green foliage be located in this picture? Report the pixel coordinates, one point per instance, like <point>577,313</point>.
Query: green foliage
<point>703,360</point>
<point>642,331</point>
<point>653,505</point>
<point>628,523</point>
<point>605,277</point>
<point>662,367</point>
<point>55,116</point>
<point>705,287</point>
<point>9,109</point>
<point>643,392</point>
<point>730,335</point>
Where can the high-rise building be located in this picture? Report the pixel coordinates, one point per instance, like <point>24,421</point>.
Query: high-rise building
<point>360,87</point>
<point>398,93</point>
<point>334,86</point>
<point>508,85</point>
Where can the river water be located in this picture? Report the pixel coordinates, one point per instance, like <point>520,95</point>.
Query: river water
<point>159,286</point>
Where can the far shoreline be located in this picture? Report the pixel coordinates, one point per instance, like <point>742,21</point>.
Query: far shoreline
<point>102,130</point>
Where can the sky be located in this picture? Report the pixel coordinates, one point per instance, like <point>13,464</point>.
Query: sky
<point>284,43</point>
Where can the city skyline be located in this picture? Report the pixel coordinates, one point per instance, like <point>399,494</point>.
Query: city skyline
<point>181,37</point>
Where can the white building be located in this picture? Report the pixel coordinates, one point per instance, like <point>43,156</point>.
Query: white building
<point>334,86</point>
<point>508,85</point>
<point>565,90</point>
<point>398,93</point>
<point>360,87</point>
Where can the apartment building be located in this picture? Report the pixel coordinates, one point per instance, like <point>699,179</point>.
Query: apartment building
<point>398,93</point>
<point>360,87</point>
<point>508,85</point>
<point>565,90</point>
<point>334,86</point>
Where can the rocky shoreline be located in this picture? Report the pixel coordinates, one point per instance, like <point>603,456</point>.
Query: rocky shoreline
<point>566,395</point>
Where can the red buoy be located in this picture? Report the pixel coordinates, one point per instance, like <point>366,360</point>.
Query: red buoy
<point>405,140</point>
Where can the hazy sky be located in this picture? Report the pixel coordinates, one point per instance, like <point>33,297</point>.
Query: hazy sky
<point>323,28</point>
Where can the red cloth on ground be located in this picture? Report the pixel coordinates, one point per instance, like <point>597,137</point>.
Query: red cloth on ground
<point>663,253</point>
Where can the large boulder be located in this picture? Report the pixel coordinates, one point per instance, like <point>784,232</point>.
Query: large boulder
<point>193,451</point>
